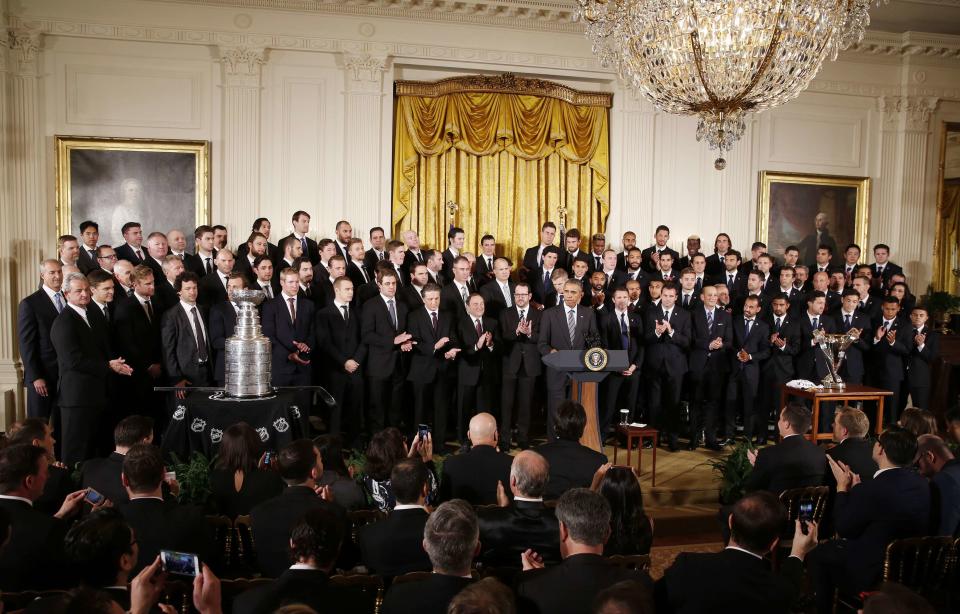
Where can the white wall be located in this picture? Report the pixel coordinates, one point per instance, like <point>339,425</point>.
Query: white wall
<point>298,108</point>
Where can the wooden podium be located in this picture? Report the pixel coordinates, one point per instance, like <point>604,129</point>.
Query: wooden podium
<point>583,385</point>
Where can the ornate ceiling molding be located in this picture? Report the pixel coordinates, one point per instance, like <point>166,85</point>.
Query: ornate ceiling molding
<point>507,83</point>
<point>909,44</point>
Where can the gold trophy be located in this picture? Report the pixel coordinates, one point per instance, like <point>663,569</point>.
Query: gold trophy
<point>834,347</point>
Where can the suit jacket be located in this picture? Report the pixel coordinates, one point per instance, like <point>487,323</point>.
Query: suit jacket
<point>451,301</point>
<point>668,352</point>
<point>377,332</point>
<point>893,505</point>
<point>728,581</point>
<point>198,264</point>
<point>809,245</point>
<point>854,366</point>
<point>312,251</point>
<point>85,262</point>
<point>103,475</point>
<point>211,290</point>
<point>889,270</point>
<point>919,363</point>
<point>493,298</point>
<point>430,596</point>
<point>811,363</point>
<point>394,546</point>
<point>505,532</point>
<point>482,272</point>
<point>739,286</point>
<point>356,276</point>
<point>33,558</point>
<point>473,476</point>
<point>164,297</point>
<point>478,367</point>
<point>780,363</point>
<point>887,360</point>
<point>273,520</point>
<point>571,466</point>
<point>336,342</point>
<point>125,252</point>
<point>856,453</point>
<point>181,352</point>
<point>154,265</point>
<point>167,525</point>
<point>555,335</point>
<point>223,321</point>
<point>35,317</point>
<point>448,259</point>
<point>648,264</point>
<point>83,355</point>
<point>283,332</point>
<point>608,323</point>
<point>411,296</point>
<point>792,463</point>
<point>756,344</point>
<point>571,586</point>
<point>370,258</point>
<point>714,265</point>
<point>427,363</point>
<point>701,356</point>
<point>136,337</point>
<point>546,295</point>
<point>308,587</point>
<point>520,350</point>
<point>946,489</point>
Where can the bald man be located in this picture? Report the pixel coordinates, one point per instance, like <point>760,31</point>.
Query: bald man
<point>473,476</point>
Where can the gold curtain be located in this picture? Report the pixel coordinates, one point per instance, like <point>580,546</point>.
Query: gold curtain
<point>949,240</point>
<point>509,161</point>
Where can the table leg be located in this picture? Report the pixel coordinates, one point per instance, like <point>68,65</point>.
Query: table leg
<point>629,448</point>
<point>653,473</point>
<point>816,419</point>
<point>640,455</point>
<point>879,425</point>
<point>616,447</point>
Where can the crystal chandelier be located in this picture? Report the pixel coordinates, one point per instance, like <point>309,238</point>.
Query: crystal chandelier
<point>720,59</point>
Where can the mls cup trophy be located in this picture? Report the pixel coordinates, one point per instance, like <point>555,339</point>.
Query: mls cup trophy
<point>834,347</point>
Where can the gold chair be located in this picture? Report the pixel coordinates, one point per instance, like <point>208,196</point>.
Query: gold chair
<point>370,586</point>
<point>245,548</point>
<point>791,502</point>
<point>222,529</point>
<point>360,518</point>
<point>922,564</point>
<point>412,576</point>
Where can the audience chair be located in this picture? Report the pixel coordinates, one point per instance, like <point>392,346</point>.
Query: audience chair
<point>230,588</point>
<point>370,586</point>
<point>922,564</point>
<point>791,502</point>
<point>486,506</point>
<point>246,553</point>
<point>222,528</point>
<point>360,518</point>
<point>179,594</point>
<point>637,562</point>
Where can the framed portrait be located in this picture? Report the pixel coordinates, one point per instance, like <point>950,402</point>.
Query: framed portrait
<point>812,210</point>
<point>164,185</point>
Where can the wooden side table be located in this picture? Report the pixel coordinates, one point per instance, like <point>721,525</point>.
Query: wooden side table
<point>853,392</point>
<point>638,434</point>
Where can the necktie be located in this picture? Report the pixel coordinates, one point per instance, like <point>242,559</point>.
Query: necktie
<point>666,316</point>
<point>363,271</point>
<point>293,310</point>
<point>746,325</point>
<point>106,313</point>
<point>596,260</point>
<point>886,326</point>
<point>268,291</point>
<point>523,313</point>
<point>816,323</point>
<point>699,285</point>
<point>546,280</point>
<point>686,300</point>
<point>209,267</point>
<point>201,340</point>
<point>506,295</point>
<point>58,301</point>
<point>93,253</point>
<point>393,313</point>
<point>879,270</point>
<point>303,244</point>
<point>846,322</point>
<point>710,320</point>
<point>479,328</point>
<point>346,315</point>
<point>916,332</point>
<point>149,308</point>
<point>489,264</point>
<point>624,332</point>
<point>130,292</point>
<point>463,293</point>
<point>571,324</point>
<point>140,255</point>
<point>308,291</point>
<point>379,255</point>
<point>729,280</point>
<point>419,256</point>
<point>433,320</point>
<point>778,324</point>
<point>863,304</point>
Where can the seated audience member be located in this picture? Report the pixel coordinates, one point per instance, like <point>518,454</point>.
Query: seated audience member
<point>237,482</point>
<point>37,432</point>
<point>918,421</point>
<point>314,545</point>
<point>300,467</point>
<point>103,474</point>
<point>572,465</point>
<point>631,529</point>
<point>33,557</point>
<point>937,463</point>
<point>627,597</point>
<point>386,449</point>
<point>525,523</point>
<point>739,579</point>
<point>157,523</point>
<point>394,546</point>
<point>584,527</point>
<point>488,596</point>
<point>450,538</point>
<point>101,551</point>
<point>892,598</point>
<point>854,449</point>
<point>473,476</point>
<point>795,462</point>
<point>867,516</point>
<point>345,490</point>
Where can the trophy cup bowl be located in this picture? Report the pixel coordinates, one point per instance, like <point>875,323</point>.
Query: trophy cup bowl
<point>834,347</point>
<point>247,356</point>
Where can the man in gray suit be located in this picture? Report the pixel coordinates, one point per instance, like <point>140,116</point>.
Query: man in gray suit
<point>185,339</point>
<point>564,327</point>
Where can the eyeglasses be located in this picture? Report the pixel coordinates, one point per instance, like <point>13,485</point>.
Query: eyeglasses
<point>519,294</point>
<point>110,257</point>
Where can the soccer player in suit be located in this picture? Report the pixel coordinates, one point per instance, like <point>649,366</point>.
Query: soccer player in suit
<point>435,349</point>
<point>664,267</point>
<point>213,287</point>
<point>132,249</point>
<point>923,347</point>
<point>87,258</point>
<point>882,268</point>
<point>564,327</point>
<point>735,281</point>
<point>519,332</point>
<point>689,297</point>
<point>383,328</point>
<point>413,253</point>
<point>344,233</point>
<point>35,317</point>
<point>627,243</point>
<point>751,346</point>
<point>223,321</point>
<point>201,262</point>
<point>823,261</point>
<point>136,337</point>
<point>887,356</point>
<point>455,241</point>
<point>868,305</point>
<point>540,279</point>
<point>667,333</point>
<point>857,324</point>
<point>571,252</point>
<point>533,256</point>
<point>786,287</point>
<point>811,364</point>
<point>709,365</point>
<point>784,344</point>
<point>84,360</point>
<point>693,250</point>
<point>486,260</point>
<point>478,371</point>
<point>633,269</point>
<point>301,228</point>
<point>412,292</point>
<point>342,355</point>
<point>377,251</point>
<point>185,338</point>
<point>716,261</point>
<point>621,330</point>
<point>498,292</point>
<point>660,238</point>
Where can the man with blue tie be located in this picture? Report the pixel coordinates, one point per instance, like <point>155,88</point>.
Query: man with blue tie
<point>709,364</point>
<point>383,328</point>
<point>752,346</point>
<point>667,336</point>
<point>301,228</point>
<point>622,329</point>
<point>852,321</point>
<point>35,316</point>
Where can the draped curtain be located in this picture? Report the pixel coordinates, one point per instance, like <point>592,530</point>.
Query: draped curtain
<point>949,232</point>
<point>509,162</point>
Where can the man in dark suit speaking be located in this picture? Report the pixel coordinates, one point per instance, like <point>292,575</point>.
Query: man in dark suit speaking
<point>564,327</point>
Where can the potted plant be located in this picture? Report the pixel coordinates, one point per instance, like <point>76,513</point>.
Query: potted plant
<point>193,475</point>
<point>941,305</point>
<point>733,470</point>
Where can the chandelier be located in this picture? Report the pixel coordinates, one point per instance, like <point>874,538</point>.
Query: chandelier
<point>720,59</point>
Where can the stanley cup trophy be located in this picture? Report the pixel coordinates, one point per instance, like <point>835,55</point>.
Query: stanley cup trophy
<point>247,353</point>
<point>834,347</point>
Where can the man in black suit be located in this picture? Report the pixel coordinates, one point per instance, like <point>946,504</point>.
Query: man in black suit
<point>823,260</point>
<point>751,346</point>
<point>158,523</point>
<point>261,226</point>
<point>478,371</point>
<point>795,462</point>
<point>455,241</point>
<point>716,261</point>
<point>811,363</point>
<point>289,250</point>
<point>300,466</point>
<point>103,474</point>
<point>689,297</point>
<point>33,556</point>
<point>185,339</point>
<point>784,342</point>
<point>498,290</point>
<point>474,476</point>
<point>709,365</point>
<point>868,304</point>
<point>533,256</point>
<point>660,238</point>
<point>35,317</point>
<point>755,289</point>
<point>84,360</point>
<point>851,430</point>
<point>817,239</point>
<point>571,252</point>
<point>288,321</point>
<point>264,278</point>
<point>435,347</point>
<point>378,248</point>
<point>937,463</point>
<point>383,329</point>
<point>540,279</point>
<point>664,267</point>
<point>255,247</point>
<point>165,291</point>
<point>523,523</point>
<point>344,233</point>
<point>132,250</point>
<point>786,287</point>
<point>584,527</point>
<point>450,537</point>
<point>434,261</point>
<point>519,332</point>
<point>667,334</point>
<point>301,228</point>
<point>735,281</point>
<point>413,253</point>
<point>201,261</point>
<point>923,347</point>
<point>857,325</point>
<point>89,236</point>
<point>213,287</point>
<point>565,327</point>
<point>887,366</point>
<point>357,270</point>
<point>394,546</point>
<point>882,268</point>
<point>621,329</point>
<point>570,464</point>
<point>412,293</point>
<point>867,516</point>
<point>342,357</point>
<point>739,578</point>
<point>309,288</point>
<point>485,260</point>
<point>157,250</point>
<point>627,243</point>
<point>136,337</point>
<point>633,269</point>
<point>223,321</point>
<point>833,289</point>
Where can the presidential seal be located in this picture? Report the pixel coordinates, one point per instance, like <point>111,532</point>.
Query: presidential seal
<point>595,359</point>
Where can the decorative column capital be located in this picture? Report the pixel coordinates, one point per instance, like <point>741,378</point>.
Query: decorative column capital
<point>25,46</point>
<point>906,113</point>
<point>364,72</point>
<point>242,65</point>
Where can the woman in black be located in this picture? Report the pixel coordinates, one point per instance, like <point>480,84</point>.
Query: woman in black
<point>631,531</point>
<point>239,481</point>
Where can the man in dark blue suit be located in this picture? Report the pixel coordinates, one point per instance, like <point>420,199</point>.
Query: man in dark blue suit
<point>533,256</point>
<point>887,354</point>
<point>751,347</point>
<point>868,515</point>
<point>540,278</point>
<point>667,335</point>
<point>709,364</point>
<point>923,346</point>
<point>223,321</point>
<point>784,344</point>
<point>621,329</point>
<point>35,316</point>
<point>811,362</point>
<point>383,328</point>
<point>857,323</point>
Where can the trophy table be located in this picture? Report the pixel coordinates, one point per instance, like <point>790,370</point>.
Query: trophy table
<point>850,392</point>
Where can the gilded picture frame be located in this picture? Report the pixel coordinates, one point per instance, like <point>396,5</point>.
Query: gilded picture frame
<point>790,211</point>
<point>163,184</point>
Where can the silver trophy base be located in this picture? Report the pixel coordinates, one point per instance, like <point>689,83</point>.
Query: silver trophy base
<point>831,384</point>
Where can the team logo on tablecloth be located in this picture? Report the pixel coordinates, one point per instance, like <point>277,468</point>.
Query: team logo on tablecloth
<point>295,411</point>
<point>216,435</point>
<point>198,425</point>
<point>180,413</point>
<point>264,433</point>
<point>281,425</point>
